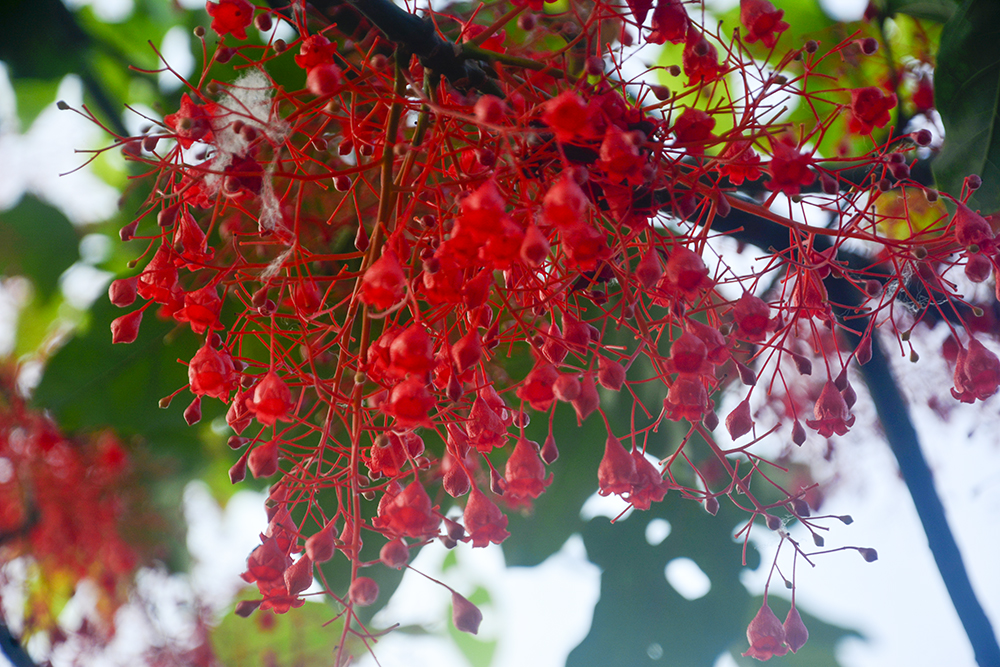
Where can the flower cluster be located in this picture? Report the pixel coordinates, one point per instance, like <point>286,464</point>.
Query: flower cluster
<point>362,257</point>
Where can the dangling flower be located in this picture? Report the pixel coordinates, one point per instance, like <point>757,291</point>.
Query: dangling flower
<point>211,373</point>
<point>700,58</point>
<point>686,399</point>
<point>688,354</point>
<point>687,272</point>
<point>408,513</point>
<point>272,399</point>
<point>525,473</point>
<point>977,373</point>
<point>973,229</point>
<point>192,122</point>
<point>409,401</point>
<point>230,17</point>
<point>384,284</point>
<point>670,23</point>
<point>567,115</point>
<point>484,520</point>
<point>796,634</point>
<point>693,130</point>
<point>740,163</point>
<point>564,203</point>
<point>762,22</point>
<point>751,315</point>
<point>485,428</point>
<point>832,413</point>
<point>870,108</point>
<point>650,487</point>
<point>537,387</point>
<point>617,472</point>
<point>766,636</point>
<point>201,309</point>
<point>789,169</point>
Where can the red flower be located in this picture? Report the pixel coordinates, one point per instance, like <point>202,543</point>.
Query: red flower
<point>650,487</point>
<point>751,316</point>
<point>762,21</point>
<point>687,272</point>
<point>201,309</point>
<point>567,115</point>
<point>686,399</point>
<point>740,163</point>
<point>617,472</point>
<point>407,513</point>
<point>789,169</point>
<point>230,17</point>
<point>485,427</point>
<point>832,413</point>
<point>411,351</point>
<point>211,373</point>
<point>315,50</point>
<point>972,229</point>
<point>766,636</point>
<point>537,387</point>
<point>620,156</point>
<point>564,203</point>
<point>484,520</point>
<point>977,373</point>
<point>409,401</point>
<point>384,284</point>
<point>693,130</point>
<point>272,400</point>
<point>796,634</point>
<point>191,123</point>
<point>870,108</point>
<point>670,23</point>
<point>688,355</point>
<point>158,281</point>
<point>700,59</point>
<point>125,329</point>
<point>525,473</point>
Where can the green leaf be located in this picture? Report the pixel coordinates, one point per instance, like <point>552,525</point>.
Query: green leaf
<point>967,95</point>
<point>638,608</point>
<point>91,384</point>
<point>933,10</point>
<point>33,96</point>
<point>304,636</point>
<point>38,242</point>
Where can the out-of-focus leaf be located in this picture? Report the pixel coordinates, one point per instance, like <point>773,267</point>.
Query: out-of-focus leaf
<point>934,10</point>
<point>33,95</point>
<point>303,637</point>
<point>967,95</point>
<point>639,610</point>
<point>91,383</point>
<point>40,39</point>
<point>38,242</point>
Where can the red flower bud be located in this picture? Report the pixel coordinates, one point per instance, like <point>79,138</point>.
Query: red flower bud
<point>363,592</point>
<point>125,329</point>
<point>465,615</point>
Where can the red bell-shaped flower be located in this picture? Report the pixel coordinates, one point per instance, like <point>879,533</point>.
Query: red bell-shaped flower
<point>686,399</point>
<point>408,513</point>
<point>483,520</point>
<point>211,373</point>
<point>272,399</point>
<point>762,22</point>
<point>617,472</point>
<point>525,472</point>
<point>766,636</point>
<point>832,413</point>
<point>384,284</point>
<point>977,373</point>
